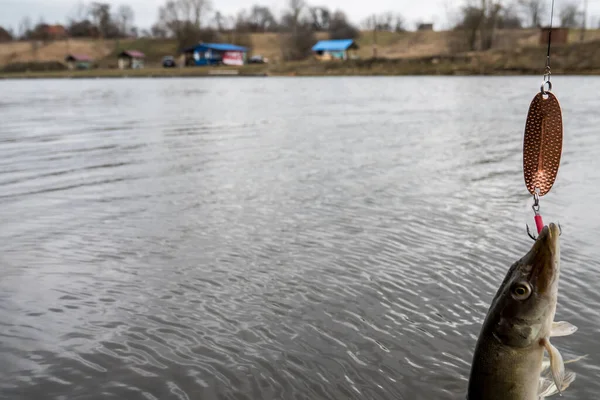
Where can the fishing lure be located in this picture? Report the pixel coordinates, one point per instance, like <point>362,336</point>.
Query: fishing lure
<point>542,142</point>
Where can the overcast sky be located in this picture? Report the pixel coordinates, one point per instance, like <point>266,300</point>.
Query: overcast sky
<point>436,11</point>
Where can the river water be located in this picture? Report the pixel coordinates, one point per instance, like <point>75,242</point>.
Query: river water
<point>277,238</point>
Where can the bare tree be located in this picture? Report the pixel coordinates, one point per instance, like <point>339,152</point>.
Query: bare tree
<point>158,31</point>
<point>170,18</point>
<point>100,13</point>
<point>230,22</point>
<point>320,18</point>
<point>259,19</point>
<point>386,21</point>
<point>220,21</point>
<point>509,19</point>
<point>297,42</point>
<point>195,10</point>
<point>480,21</point>
<point>79,23</point>
<point>371,23</point>
<point>175,14</point>
<point>25,28</point>
<point>569,16</point>
<point>488,28</point>
<point>6,35</point>
<point>533,10</point>
<point>240,20</point>
<point>182,20</point>
<point>399,23</point>
<point>79,13</point>
<point>292,16</point>
<point>470,25</point>
<point>297,45</point>
<point>341,28</point>
<point>124,19</point>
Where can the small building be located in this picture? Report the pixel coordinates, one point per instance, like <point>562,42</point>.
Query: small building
<point>5,36</point>
<point>131,59</point>
<point>54,32</point>
<point>559,35</point>
<point>342,49</point>
<point>215,54</point>
<point>425,27</point>
<point>78,61</point>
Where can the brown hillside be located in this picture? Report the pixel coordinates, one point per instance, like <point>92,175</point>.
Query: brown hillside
<point>389,45</point>
<point>52,51</point>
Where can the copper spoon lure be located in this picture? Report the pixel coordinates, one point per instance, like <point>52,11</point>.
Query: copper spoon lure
<point>542,142</point>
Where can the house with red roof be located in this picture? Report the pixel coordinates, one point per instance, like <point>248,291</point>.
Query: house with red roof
<point>54,32</point>
<point>131,59</point>
<point>78,61</point>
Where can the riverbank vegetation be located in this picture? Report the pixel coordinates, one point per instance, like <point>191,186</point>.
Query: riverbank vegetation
<point>482,37</point>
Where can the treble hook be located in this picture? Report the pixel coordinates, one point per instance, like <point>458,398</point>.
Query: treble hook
<point>534,238</point>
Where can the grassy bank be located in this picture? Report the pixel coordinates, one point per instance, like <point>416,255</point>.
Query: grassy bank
<point>249,70</point>
<point>373,68</point>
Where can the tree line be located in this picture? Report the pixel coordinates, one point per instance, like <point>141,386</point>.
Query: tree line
<point>190,21</point>
<point>93,20</point>
<point>480,19</point>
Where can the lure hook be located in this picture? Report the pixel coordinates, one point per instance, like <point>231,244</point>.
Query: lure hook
<point>535,238</point>
<point>529,233</point>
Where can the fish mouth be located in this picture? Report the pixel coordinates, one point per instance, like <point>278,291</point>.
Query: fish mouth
<point>544,259</point>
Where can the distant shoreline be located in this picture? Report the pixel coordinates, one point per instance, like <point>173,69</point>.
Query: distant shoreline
<point>424,53</point>
<point>415,67</point>
<point>64,75</point>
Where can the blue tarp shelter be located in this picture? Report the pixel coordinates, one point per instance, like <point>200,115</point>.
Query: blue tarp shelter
<point>334,48</point>
<point>215,53</point>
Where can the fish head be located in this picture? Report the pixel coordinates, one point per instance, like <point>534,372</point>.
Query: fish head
<point>523,309</point>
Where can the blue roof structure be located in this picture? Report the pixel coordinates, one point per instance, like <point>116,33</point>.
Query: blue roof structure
<point>217,47</point>
<point>333,45</point>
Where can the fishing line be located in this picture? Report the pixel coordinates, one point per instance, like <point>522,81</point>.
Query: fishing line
<point>547,70</point>
<point>542,142</point>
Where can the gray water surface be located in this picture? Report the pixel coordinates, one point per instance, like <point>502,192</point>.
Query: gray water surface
<point>277,238</point>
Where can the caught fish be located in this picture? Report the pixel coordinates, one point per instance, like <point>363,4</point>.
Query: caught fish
<point>508,362</point>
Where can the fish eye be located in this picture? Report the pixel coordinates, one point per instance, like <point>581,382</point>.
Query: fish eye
<point>521,290</point>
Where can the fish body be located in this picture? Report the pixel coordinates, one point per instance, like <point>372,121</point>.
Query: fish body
<point>509,354</point>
